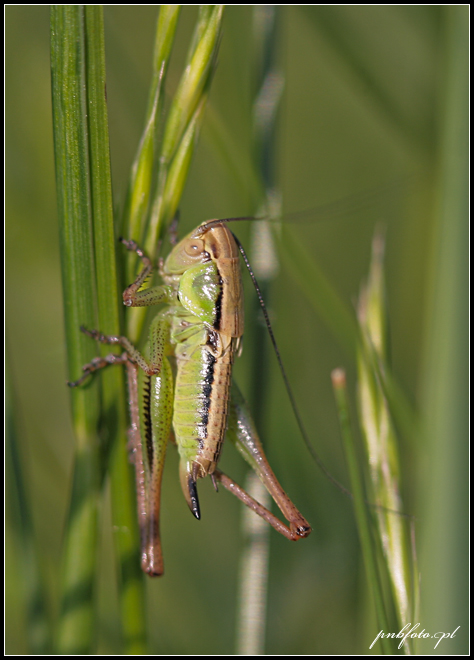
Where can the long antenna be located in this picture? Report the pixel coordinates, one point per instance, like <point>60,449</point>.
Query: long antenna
<point>318,460</point>
<point>289,391</point>
<point>354,202</point>
<point>215,223</point>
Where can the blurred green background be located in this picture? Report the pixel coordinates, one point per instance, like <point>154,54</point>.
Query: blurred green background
<point>375,99</point>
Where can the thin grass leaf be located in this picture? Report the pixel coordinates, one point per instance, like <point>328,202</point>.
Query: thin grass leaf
<point>380,439</point>
<point>360,509</point>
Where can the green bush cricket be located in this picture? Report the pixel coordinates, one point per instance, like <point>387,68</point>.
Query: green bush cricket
<point>181,387</point>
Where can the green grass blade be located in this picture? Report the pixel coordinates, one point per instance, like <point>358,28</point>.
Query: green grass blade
<point>76,624</point>
<point>444,530</point>
<point>101,185</point>
<point>114,417</point>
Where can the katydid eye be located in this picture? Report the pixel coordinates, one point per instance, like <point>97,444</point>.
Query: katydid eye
<point>194,248</point>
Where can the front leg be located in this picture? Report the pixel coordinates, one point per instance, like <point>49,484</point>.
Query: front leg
<point>241,431</point>
<point>155,295</point>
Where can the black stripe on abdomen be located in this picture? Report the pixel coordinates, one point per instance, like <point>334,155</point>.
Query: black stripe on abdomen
<point>218,314</point>
<point>208,380</point>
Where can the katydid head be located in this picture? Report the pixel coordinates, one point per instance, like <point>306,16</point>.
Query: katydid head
<point>188,252</point>
<point>211,240</point>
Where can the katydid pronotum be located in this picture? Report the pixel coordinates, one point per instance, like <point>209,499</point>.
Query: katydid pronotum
<point>192,399</point>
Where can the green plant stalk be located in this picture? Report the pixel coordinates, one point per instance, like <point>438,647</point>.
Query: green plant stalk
<point>253,573</point>
<point>76,623</point>
<point>254,570</point>
<point>114,416</point>
<point>360,509</point>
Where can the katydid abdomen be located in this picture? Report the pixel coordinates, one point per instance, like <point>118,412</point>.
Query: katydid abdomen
<point>201,402</point>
